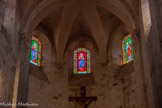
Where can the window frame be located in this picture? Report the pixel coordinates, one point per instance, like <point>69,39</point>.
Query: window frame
<point>75,61</point>
<point>39,52</point>
<point>124,58</point>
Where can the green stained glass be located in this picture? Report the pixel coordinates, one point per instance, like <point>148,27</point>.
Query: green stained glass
<point>127,49</point>
<point>35,53</point>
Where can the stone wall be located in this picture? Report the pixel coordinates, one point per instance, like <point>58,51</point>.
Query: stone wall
<point>7,70</point>
<point>153,57</point>
<point>111,91</point>
<point>134,85</point>
<point>116,85</point>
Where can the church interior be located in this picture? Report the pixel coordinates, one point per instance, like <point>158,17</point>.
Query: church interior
<point>80,54</point>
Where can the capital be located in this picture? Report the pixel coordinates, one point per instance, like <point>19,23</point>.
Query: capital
<point>23,39</point>
<point>136,32</point>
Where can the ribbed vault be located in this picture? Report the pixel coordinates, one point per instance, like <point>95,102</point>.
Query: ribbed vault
<point>63,19</point>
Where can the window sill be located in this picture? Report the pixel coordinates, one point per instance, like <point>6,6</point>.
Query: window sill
<point>81,80</point>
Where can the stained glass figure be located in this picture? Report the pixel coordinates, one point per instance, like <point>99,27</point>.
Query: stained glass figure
<point>35,54</point>
<point>127,49</point>
<point>2,11</point>
<point>82,61</point>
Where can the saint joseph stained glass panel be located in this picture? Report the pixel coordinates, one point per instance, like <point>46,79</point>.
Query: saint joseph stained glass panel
<point>35,53</point>
<point>127,49</point>
<point>82,63</point>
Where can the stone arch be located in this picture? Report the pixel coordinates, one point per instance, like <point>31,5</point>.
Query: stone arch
<point>42,71</point>
<point>43,8</point>
<point>95,25</point>
<point>119,10</point>
<point>112,6</point>
<point>81,41</point>
<point>41,29</point>
<point>97,30</point>
<point>115,45</point>
<point>146,17</point>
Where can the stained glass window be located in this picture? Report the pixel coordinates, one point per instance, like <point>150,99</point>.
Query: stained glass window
<point>35,53</point>
<point>127,49</point>
<point>82,63</point>
<point>2,10</point>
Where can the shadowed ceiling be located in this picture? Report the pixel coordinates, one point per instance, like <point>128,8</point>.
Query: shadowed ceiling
<point>66,19</point>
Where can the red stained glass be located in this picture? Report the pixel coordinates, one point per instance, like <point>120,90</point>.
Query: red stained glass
<point>35,54</point>
<point>81,61</point>
<point>127,49</point>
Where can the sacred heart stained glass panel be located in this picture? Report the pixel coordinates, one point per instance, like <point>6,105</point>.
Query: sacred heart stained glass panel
<point>82,63</point>
<point>127,49</point>
<point>35,53</point>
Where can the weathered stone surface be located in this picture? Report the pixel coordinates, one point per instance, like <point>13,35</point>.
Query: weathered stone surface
<point>98,25</point>
<point>7,70</point>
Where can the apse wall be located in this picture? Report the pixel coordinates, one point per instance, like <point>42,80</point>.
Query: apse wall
<point>116,86</point>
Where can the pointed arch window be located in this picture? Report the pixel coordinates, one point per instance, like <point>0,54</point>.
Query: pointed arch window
<point>82,62</point>
<point>35,53</point>
<point>127,49</point>
<point>2,9</point>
